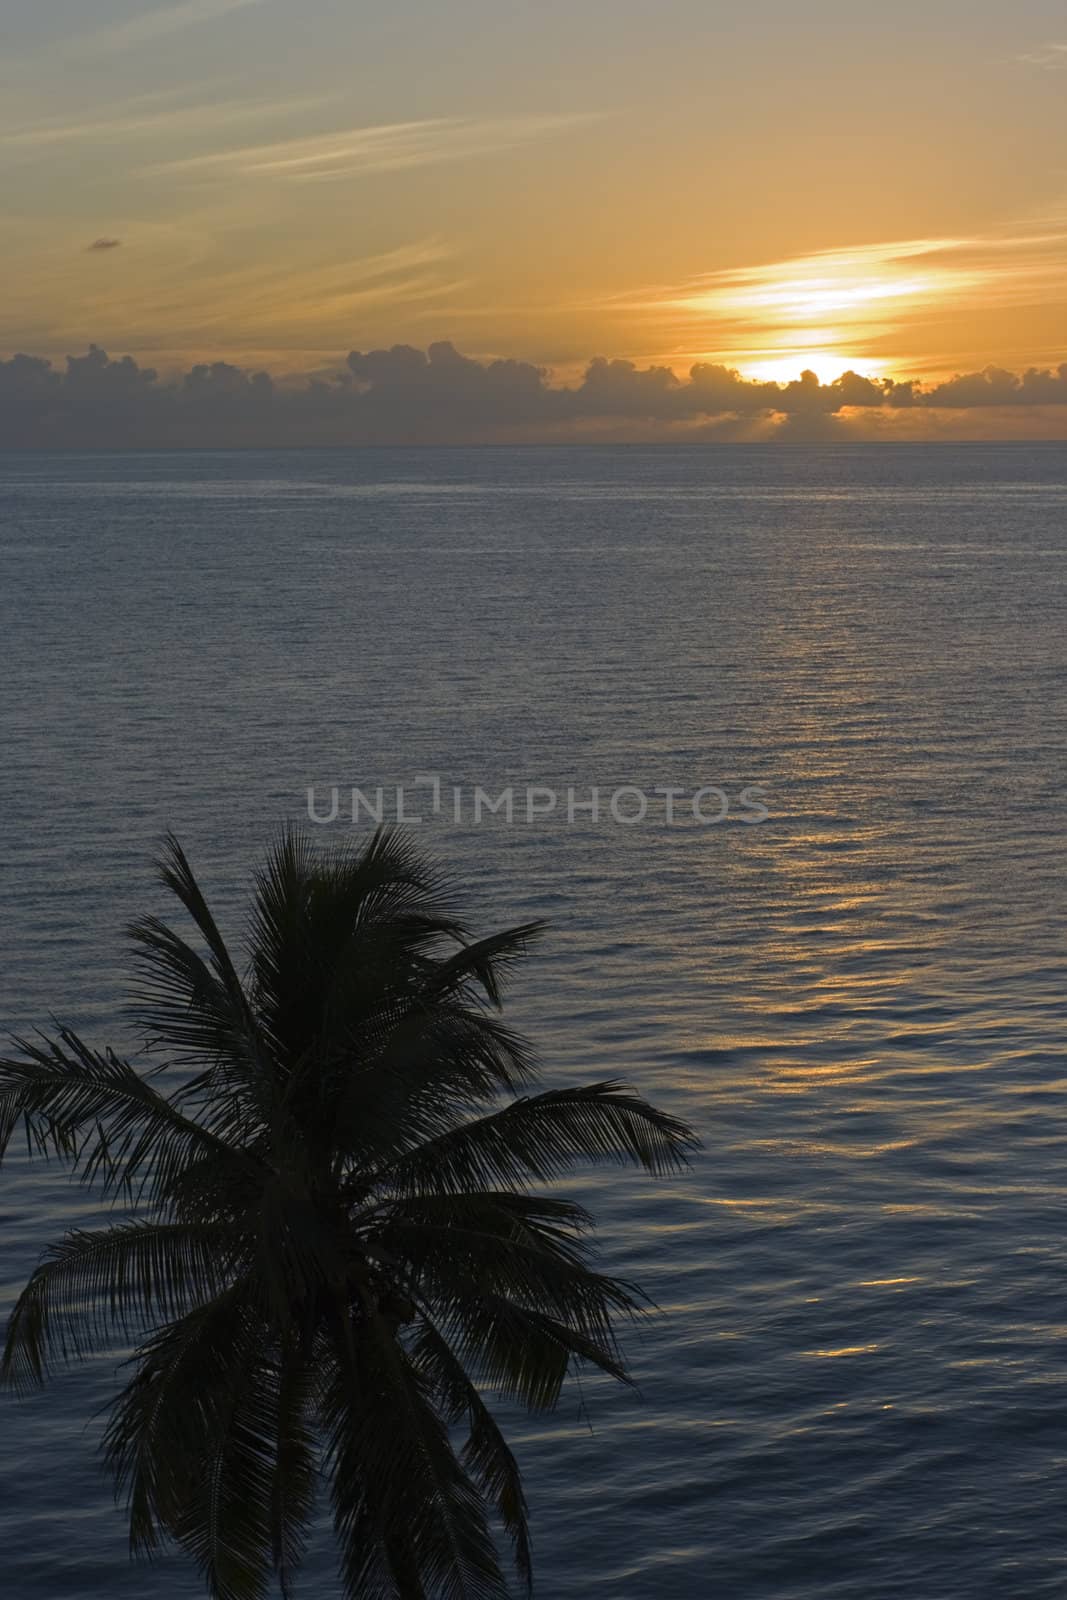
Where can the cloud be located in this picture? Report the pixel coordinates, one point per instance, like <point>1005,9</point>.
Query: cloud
<point>1053,57</point>
<point>104,244</point>
<point>150,26</point>
<point>403,395</point>
<point>995,387</point>
<point>831,308</point>
<point>175,293</point>
<point>141,117</point>
<point>387,147</point>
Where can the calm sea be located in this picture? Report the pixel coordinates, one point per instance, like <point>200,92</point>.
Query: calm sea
<point>857,1386</point>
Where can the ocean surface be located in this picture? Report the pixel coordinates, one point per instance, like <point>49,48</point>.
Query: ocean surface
<point>856,1386</point>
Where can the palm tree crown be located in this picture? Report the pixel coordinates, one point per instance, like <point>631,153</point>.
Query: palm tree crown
<point>331,1237</point>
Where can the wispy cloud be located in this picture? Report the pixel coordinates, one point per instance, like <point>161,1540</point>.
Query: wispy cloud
<point>1053,57</point>
<point>388,147</point>
<point>252,301</point>
<point>836,306</point>
<point>153,25</point>
<point>203,117</point>
<point>172,290</point>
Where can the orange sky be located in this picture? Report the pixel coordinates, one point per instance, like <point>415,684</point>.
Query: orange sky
<point>828,187</point>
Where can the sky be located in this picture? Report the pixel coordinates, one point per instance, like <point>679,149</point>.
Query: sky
<point>671,183</point>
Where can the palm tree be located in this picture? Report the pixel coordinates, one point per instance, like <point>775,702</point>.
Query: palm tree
<point>330,1237</point>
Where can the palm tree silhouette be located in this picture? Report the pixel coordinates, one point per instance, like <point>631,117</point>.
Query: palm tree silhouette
<point>332,1237</point>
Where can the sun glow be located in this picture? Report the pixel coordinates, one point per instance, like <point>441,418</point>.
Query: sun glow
<point>846,285</point>
<point>836,311</point>
<point>798,299</point>
<point>783,366</point>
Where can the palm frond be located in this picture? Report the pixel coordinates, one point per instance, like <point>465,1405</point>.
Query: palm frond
<point>428,1068</point>
<point>97,1111</point>
<point>198,1010</point>
<point>296,1467</point>
<point>486,1452</point>
<point>394,1471</point>
<point>195,1440</point>
<point>157,1435</point>
<point>178,876</point>
<point>460,1265</point>
<point>228,1523</point>
<point>330,934</point>
<point>542,1136</point>
<point>185,1008</point>
<point>521,1238</point>
<point>523,1353</point>
<point>94,1285</point>
<point>485,964</point>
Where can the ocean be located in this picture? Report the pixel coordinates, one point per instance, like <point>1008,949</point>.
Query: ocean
<point>855,1386</point>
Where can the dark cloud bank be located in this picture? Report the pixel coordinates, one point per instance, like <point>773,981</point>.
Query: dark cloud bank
<point>404,395</point>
